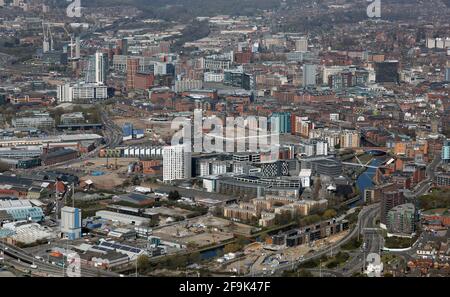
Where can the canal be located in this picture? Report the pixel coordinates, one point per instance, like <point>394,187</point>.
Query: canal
<point>211,254</point>
<point>365,179</point>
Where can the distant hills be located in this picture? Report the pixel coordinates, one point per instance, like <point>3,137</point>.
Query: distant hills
<point>184,10</point>
<point>187,9</point>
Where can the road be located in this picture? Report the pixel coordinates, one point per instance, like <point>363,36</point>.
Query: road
<point>411,254</point>
<point>365,217</point>
<point>13,254</point>
<point>113,133</point>
<point>21,259</point>
<point>373,238</point>
<point>424,186</point>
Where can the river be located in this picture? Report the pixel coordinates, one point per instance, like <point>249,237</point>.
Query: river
<point>365,179</point>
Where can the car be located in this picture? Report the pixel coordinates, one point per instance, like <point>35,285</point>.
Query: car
<point>34,266</point>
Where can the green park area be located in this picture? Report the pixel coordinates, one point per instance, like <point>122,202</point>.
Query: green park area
<point>399,242</point>
<point>435,199</point>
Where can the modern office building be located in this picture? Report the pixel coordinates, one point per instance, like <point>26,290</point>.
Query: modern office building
<point>314,147</point>
<point>129,132</point>
<point>212,167</point>
<point>34,122</point>
<point>283,121</point>
<point>72,118</point>
<point>213,77</point>
<point>447,74</point>
<point>446,151</point>
<point>176,163</point>
<point>101,68</point>
<point>81,92</point>
<point>401,220</point>
<point>71,222</point>
<point>237,78</point>
<point>309,75</point>
<point>274,169</point>
<point>322,165</point>
<point>389,200</point>
<point>146,64</point>
<point>387,72</point>
<point>211,63</point>
<point>122,45</point>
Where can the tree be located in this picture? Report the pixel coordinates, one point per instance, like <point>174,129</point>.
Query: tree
<point>3,166</point>
<point>195,257</point>
<point>143,263</point>
<point>283,218</point>
<point>174,195</point>
<point>264,236</point>
<point>308,220</point>
<point>179,261</point>
<point>231,248</point>
<point>328,214</point>
<point>135,180</point>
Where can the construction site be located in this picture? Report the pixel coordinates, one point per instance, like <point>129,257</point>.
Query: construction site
<point>202,231</point>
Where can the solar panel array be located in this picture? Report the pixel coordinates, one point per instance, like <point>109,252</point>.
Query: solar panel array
<point>118,246</point>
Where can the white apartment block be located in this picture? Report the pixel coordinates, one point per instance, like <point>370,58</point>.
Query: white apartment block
<point>212,167</point>
<point>215,64</point>
<point>213,77</point>
<point>187,85</point>
<point>81,92</point>
<point>176,163</point>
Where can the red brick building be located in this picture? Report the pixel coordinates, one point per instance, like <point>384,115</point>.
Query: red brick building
<point>143,81</point>
<point>132,69</point>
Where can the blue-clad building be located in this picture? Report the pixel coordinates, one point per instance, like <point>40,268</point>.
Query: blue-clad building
<point>446,151</point>
<point>20,210</point>
<point>129,132</point>
<point>447,74</point>
<point>71,222</point>
<point>283,120</point>
<point>34,214</point>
